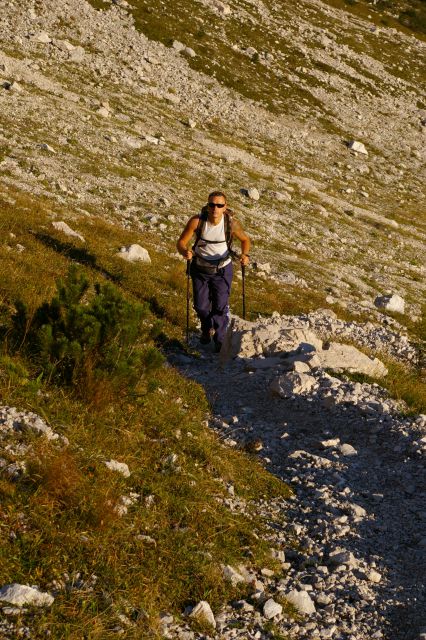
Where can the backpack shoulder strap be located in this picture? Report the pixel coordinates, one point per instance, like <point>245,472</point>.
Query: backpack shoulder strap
<point>229,229</point>
<point>202,218</point>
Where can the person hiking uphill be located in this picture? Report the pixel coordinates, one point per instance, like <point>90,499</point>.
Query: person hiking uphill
<point>211,264</point>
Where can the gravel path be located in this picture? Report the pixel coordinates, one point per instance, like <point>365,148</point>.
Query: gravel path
<point>367,499</point>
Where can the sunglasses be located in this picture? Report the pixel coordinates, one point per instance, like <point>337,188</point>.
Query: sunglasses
<point>212,205</point>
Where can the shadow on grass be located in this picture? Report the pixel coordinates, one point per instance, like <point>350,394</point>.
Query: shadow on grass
<point>77,254</point>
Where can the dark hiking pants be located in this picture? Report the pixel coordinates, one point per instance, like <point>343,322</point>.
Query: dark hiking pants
<point>211,299</point>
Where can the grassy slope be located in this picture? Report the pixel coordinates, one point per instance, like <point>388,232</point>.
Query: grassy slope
<point>62,512</point>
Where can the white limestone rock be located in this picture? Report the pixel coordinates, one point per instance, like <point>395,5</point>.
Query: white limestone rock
<point>76,54</point>
<point>359,147</point>
<point>343,557</point>
<point>253,194</point>
<point>134,253</point>
<point>391,302</point>
<point>103,112</point>
<point>62,226</point>
<point>302,601</point>
<point>229,573</point>
<point>152,139</point>
<point>42,37</point>
<point>292,383</point>
<point>47,147</point>
<point>271,609</point>
<point>280,196</point>
<point>21,421</point>
<point>20,595</point>
<point>121,467</point>
<point>347,357</point>
<point>178,46</point>
<point>223,9</point>
<point>374,576</point>
<point>264,267</point>
<point>203,613</point>
<point>347,450</point>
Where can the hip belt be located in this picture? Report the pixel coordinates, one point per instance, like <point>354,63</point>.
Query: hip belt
<point>209,266</point>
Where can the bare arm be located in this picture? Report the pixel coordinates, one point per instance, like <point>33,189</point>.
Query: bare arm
<point>186,236</point>
<point>240,234</point>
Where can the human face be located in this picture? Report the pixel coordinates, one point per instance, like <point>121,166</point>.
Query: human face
<point>215,213</point>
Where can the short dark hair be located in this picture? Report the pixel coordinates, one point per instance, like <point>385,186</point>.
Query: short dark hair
<point>215,194</point>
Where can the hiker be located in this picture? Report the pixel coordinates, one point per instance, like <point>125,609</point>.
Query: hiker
<point>211,264</point>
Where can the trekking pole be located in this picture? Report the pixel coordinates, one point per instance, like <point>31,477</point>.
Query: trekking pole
<point>188,268</point>
<point>243,273</point>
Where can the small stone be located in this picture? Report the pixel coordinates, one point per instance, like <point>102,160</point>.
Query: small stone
<point>391,302</point>
<point>253,193</point>
<point>62,226</point>
<point>279,196</point>
<point>347,450</point>
<point>134,253</point>
<point>291,384</point>
<point>13,611</point>
<point>251,51</point>
<point>42,37</point>
<point>223,8</point>
<point>271,609</point>
<point>47,147</point>
<point>323,600</point>
<point>103,112</point>
<point>332,442</point>
<point>343,557</point>
<point>229,573</point>
<point>178,46</point>
<point>203,613</point>
<point>152,140</point>
<point>190,52</point>
<point>301,600</point>
<point>121,467</point>
<point>76,54</point>
<point>358,511</point>
<point>374,576</point>
<point>359,147</point>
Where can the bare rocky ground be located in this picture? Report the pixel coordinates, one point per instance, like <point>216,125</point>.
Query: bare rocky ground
<point>357,466</point>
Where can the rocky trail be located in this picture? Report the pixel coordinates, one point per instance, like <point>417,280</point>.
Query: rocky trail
<point>357,467</point>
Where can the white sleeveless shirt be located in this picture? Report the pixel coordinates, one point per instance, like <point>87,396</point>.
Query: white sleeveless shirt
<point>210,251</point>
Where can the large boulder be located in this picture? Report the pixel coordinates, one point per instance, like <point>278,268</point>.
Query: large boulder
<point>348,358</point>
<point>273,338</point>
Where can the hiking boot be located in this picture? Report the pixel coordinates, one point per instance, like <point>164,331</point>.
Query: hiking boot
<point>205,338</point>
<point>217,346</point>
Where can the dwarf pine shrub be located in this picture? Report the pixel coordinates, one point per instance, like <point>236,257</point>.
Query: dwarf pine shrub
<point>82,334</point>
